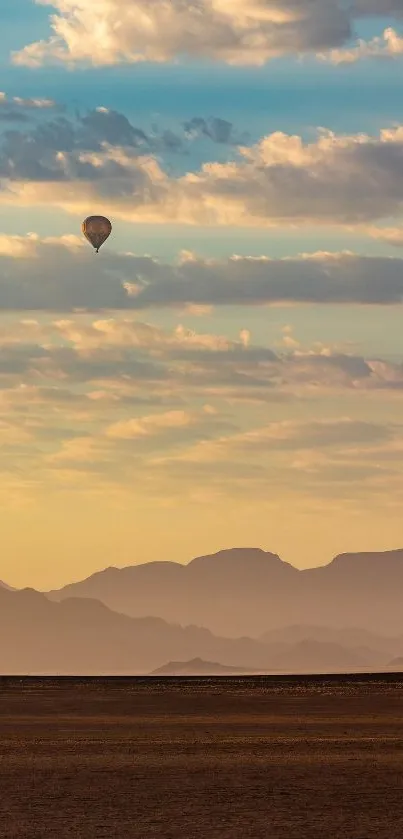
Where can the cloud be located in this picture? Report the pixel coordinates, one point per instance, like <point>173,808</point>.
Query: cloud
<point>216,129</point>
<point>63,151</point>
<point>148,425</point>
<point>390,235</point>
<point>323,458</point>
<point>170,424</point>
<point>291,435</point>
<point>317,434</point>
<point>82,450</point>
<point>389,45</point>
<point>16,102</point>
<point>99,145</point>
<point>237,32</point>
<point>115,449</point>
<point>16,109</point>
<point>126,333</point>
<point>100,366</point>
<point>62,275</point>
<point>282,180</point>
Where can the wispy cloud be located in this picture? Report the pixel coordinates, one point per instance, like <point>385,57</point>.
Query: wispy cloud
<point>154,424</point>
<point>303,458</point>
<point>17,105</point>
<point>92,366</point>
<point>104,406</point>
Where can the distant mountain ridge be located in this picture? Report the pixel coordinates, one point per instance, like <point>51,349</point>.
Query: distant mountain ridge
<point>248,591</point>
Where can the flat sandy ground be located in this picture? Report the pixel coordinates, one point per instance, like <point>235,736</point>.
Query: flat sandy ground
<point>230,758</point>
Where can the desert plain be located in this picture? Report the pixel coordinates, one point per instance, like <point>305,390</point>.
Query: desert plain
<point>202,758</point>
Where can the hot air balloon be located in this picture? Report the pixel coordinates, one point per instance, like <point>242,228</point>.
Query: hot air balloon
<point>96,229</point>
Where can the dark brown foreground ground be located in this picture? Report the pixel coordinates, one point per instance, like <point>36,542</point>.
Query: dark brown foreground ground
<point>231,758</point>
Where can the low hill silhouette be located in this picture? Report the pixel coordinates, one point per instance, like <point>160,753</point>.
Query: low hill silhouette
<point>198,667</point>
<point>248,591</point>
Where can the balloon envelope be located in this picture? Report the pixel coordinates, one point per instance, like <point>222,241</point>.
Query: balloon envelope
<point>96,229</point>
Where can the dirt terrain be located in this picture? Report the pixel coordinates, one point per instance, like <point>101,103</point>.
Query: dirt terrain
<point>202,758</point>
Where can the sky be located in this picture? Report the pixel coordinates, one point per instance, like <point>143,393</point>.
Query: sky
<point>228,370</point>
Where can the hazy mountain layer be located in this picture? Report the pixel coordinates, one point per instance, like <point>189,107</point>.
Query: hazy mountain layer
<point>247,591</point>
<point>83,636</point>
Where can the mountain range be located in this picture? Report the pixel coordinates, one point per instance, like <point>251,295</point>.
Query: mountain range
<point>248,591</point>
<point>342,617</point>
